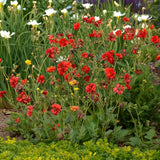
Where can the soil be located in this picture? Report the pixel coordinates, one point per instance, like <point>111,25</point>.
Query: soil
<point>5,115</point>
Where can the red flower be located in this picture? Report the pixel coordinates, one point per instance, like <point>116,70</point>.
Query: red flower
<point>71,42</point>
<point>95,96</point>
<point>86,78</point>
<point>134,51</point>
<point>90,20</point>
<point>2,93</point>
<point>158,57</point>
<point>69,36</point>
<point>120,56</point>
<point>63,42</point>
<point>108,56</point>
<point>112,37</point>
<point>129,34</point>
<point>62,67</point>
<point>29,111</point>
<point>118,33</point>
<point>74,108</point>
<point>125,19</point>
<point>80,43</point>
<point>78,75</point>
<point>23,98</point>
<point>50,69</point>
<point>55,40</point>
<point>44,111</point>
<point>95,34</point>
<point>51,52</point>
<point>142,33</point>
<point>127,78</point>
<point>138,71</point>
<point>50,38</point>
<point>54,127</point>
<point>76,26</point>
<point>85,69</point>
<point>68,77</point>
<point>24,81</point>
<point>155,39</point>
<point>128,86</point>
<point>110,73</point>
<point>91,88</point>
<point>60,35</point>
<point>13,81</point>
<point>40,79</point>
<point>56,108</point>
<point>118,89</point>
<point>152,26</point>
<point>91,55</point>
<point>123,52</point>
<point>84,55</point>
<point>17,120</point>
<point>73,66</point>
<point>98,23</point>
<point>45,92</point>
<point>0,60</point>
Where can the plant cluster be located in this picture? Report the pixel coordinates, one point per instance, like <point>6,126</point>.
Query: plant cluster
<point>17,150</point>
<point>86,77</point>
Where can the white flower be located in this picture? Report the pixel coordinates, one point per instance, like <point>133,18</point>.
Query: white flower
<point>19,7</point>
<point>144,25</point>
<point>61,59</point>
<point>135,16</point>
<point>50,12</point>
<point>6,34</point>
<point>85,17</point>
<point>87,5</point>
<point>3,2</point>
<point>14,3</point>
<point>33,23</point>
<point>64,11</point>
<point>144,17</point>
<point>116,4</point>
<point>104,11</point>
<point>118,14</point>
<point>96,18</point>
<point>127,26</point>
<point>75,16</point>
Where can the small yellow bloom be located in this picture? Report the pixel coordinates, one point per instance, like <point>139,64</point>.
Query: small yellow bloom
<point>28,62</point>
<point>144,81</point>
<point>73,82</point>
<point>37,89</point>
<point>76,89</point>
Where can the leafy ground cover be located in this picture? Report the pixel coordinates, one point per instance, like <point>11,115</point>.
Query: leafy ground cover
<point>79,72</point>
<point>16,150</point>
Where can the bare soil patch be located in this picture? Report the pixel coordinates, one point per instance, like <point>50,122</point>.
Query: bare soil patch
<point>5,115</point>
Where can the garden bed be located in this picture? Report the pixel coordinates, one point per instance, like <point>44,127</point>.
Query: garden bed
<point>81,73</point>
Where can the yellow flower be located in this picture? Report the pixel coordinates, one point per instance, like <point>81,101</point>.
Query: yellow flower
<point>76,89</point>
<point>28,62</point>
<point>73,82</point>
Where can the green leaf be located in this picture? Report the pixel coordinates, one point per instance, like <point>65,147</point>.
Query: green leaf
<point>150,134</point>
<point>134,141</point>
